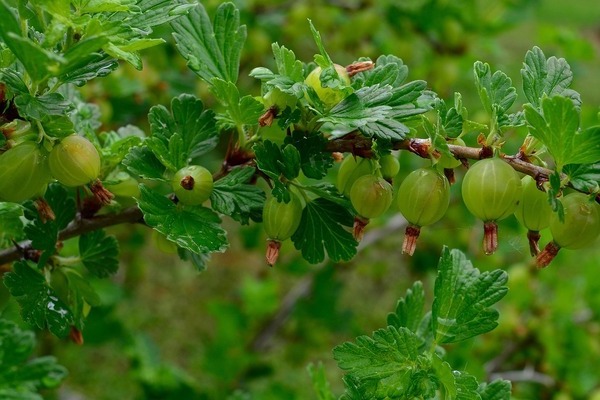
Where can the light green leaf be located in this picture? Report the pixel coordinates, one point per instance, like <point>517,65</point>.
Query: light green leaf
<point>409,310</point>
<point>557,127</point>
<point>320,382</point>
<point>40,306</point>
<point>463,297</point>
<point>99,253</point>
<point>495,91</point>
<point>322,228</point>
<point>584,177</point>
<point>195,228</point>
<point>212,50</point>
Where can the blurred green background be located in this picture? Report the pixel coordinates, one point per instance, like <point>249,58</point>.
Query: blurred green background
<point>243,331</point>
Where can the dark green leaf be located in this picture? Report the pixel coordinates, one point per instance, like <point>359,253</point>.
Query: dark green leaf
<point>40,306</point>
<point>40,106</point>
<point>239,111</point>
<point>584,177</point>
<point>212,50</point>
<point>495,390</point>
<point>13,80</point>
<point>142,162</point>
<point>463,297</point>
<point>195,228</point>
<point>329,192</point>
<point>322,228</point>
<point>99,253</point>
<point>21,378</point>
<point>466,386</point>
<point>314,161</point>
<point>409,310</point>
<point>547,77</point>
<point>232,196</point>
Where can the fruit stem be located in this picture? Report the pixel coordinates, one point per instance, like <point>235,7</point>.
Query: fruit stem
<point>411,234</point>
<point>360,224</point>
<point>272,254</point>
<point>547,255</point>
<point>534,238</point>
<point>490,237</point>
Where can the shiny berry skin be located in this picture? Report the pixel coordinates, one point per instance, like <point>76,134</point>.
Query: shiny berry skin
<point>371,196</point>
<point>74,161</point>
<point>350,170</point>
<point>276,98</point>
<point>389,166</point>
<point>281,220</point>
<point>192,185</point>
<point>23,173</point>
<point>491,189</point>
<point>533,211</point>
<point>581,225</point>
<point>329,96</point>
<point>423,196</point>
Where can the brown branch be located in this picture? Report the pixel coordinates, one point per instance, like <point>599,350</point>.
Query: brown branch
<point>77,227</point>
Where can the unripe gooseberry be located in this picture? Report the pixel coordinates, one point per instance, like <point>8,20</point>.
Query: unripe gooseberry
<point>371,196</point>
<point>192,185</point>
<point>276,98</point>
<point>74,161</point>
<point>580,228</point>
<point>423,199</point>
<point>389,166</point>
<point>350,170</point>
<point>491,191</point>
<point>329,96</point>
<point>533,212</point>
<point>23,173</point>
<point>280,222</point>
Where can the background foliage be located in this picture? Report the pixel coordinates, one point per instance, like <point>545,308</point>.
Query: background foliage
<point>241,331</point>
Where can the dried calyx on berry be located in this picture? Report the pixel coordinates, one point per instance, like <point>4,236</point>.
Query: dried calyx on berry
<point>580,227</point>
<point>280,222</point>
<point>423,198</point>
<point>491,191</point>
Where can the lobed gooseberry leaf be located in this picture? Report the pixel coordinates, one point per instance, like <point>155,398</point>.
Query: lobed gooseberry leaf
<point>22,376</point>
<point>321,229</point>
<point>212,49</point>
<point>194,228</point>
<point>188,131</point>
<point>329,192</point>
<point>37,107</point>
<point>277,162</point>
<point>466,386</point>
<point>314,162</point>
<point>388,70</point>
<point>232,196</point>
<point>40,306</point>
<point>290,72</point>
<point>99,253</point>
<point>409,309</point>
<point>141,161</point>
<point>463,297</point>
<point>498,389</point>
<point>239,111</point>
<point>11,222</point>
<point>584,177</point>
<point>557,127</point>
<point>547,78</point>
<point>495,91</point>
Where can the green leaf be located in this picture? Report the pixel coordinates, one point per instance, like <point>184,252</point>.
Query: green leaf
<point>20,376</point>
<point>322,228</point>
<point>290,75</point>
<point>142,162</point>
<point>11,224</point>
<point>495,390</point>
<point>409,310</point>
<point>466,386</point>
<point>445,376</point>
<point>495,91</point>
<point>195,228</point>
<point>314,161</point>
<point>187,132</point>
<point>232,196</point>
<point>389,358</point>
<point>13,80</point>
<point>329,192</point>
<point>44,234</point>
<point>320,382</point>
<point>277,163</point>
<point>40,306</point>
<point>547,78</point>
<point>557,127</point>
<point>240,111</point>
<point>463,297</point>
<point>39,106</point>
<point>99,253</point>
<point>76,292</point>
<point>388,70</point>
<point>212,50</point>
<point>584,177</point>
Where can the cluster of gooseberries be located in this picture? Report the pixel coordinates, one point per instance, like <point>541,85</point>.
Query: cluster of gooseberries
<point>27,168</point>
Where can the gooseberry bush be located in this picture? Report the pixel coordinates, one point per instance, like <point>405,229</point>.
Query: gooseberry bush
<point>313,123</point>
